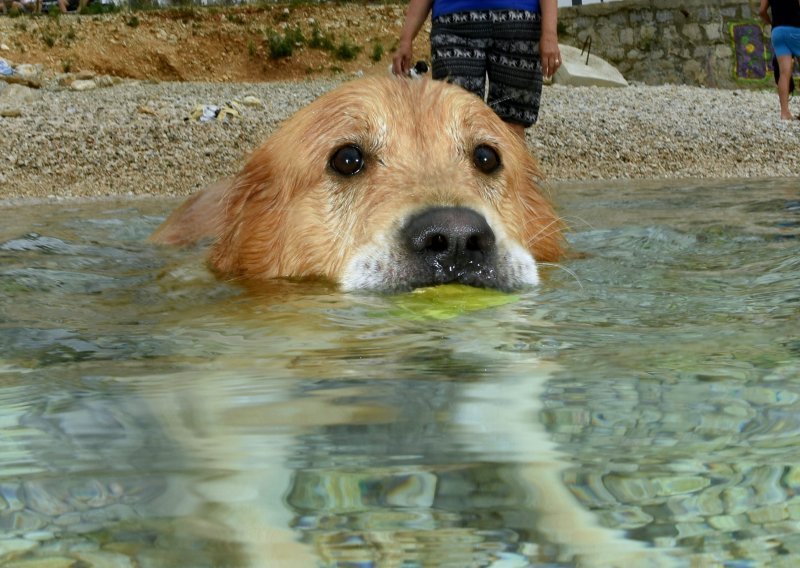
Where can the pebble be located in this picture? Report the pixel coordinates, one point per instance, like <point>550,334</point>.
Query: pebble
<point>105,560</point>
<point>83,85</point>
<point>135,138</point>
<point>10,497</point>
<point>52,562</point>
<point>15,545</point>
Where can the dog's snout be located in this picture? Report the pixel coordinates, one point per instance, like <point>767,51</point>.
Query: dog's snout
<point>450,233</point>
<point>451,244</point>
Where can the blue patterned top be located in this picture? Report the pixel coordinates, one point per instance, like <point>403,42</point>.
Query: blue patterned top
<point>441,7</point>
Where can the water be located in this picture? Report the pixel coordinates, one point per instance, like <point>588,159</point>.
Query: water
<point>642,405</point>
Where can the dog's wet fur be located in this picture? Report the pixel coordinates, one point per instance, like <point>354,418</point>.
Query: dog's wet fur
<point>382,184</point>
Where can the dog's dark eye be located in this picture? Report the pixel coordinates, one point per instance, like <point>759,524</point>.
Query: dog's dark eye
<point>347,160</point>
<point>486,159</point>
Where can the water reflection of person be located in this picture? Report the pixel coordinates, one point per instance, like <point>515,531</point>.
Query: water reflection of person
<point>784,17</point>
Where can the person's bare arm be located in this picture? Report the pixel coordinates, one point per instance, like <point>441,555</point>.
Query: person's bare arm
<point>763,11</point>
<point>416,14</point>
<point>548,44</point>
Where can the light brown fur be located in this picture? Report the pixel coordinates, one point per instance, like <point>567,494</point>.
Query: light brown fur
<point>287,213</point>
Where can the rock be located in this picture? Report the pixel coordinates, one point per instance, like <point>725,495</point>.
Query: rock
<point>10,498</point>
<point>41,497</point>
<point>53,562</point>
<point>16,95</point>
<point>83,85</point>
<point>39,536</point>
<point>105,81</point>
<point>18,522</point>
<point>30,75</point>
<point>15,545</point>
<point>252,101</point>
<point>10,112</point>
<point>101,559</point>
<point>576,72</point>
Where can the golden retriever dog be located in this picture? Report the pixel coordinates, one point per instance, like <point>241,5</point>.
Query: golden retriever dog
<point>382,184</point>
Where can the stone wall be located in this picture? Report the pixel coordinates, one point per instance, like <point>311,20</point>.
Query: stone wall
<point>661,41</point>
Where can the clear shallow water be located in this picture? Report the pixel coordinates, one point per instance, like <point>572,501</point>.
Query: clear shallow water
<point>645,397</point>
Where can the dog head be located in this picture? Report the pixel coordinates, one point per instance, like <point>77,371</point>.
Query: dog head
<point>388,184</point>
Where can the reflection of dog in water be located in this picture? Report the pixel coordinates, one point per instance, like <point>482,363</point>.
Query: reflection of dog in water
<point>382,184</point>
<point>316,466</point>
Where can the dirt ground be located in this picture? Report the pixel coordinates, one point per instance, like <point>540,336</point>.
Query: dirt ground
<point>231,44</point>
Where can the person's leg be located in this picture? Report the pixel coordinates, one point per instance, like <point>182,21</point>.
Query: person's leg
<point>785,45</point>
<point>785,64</point>
<point>458,50</point>
<point>514,69</point>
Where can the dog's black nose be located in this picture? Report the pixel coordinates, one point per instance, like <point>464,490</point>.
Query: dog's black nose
<point>450,244</point>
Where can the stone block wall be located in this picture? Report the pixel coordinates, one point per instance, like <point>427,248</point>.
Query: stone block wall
<point>661,41</point>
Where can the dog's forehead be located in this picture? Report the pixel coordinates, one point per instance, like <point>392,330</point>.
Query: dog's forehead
<point>400,109</point>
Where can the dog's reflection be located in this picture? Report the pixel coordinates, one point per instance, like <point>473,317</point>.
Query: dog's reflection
<point>383,457</point>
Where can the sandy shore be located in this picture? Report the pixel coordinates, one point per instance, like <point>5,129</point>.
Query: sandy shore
<point>136,138</point>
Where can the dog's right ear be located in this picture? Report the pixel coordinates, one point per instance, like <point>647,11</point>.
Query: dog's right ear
<point>198,218</point>
<point>252,224</point>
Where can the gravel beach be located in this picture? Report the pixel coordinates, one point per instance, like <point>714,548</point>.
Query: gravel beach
<point>135,138</point>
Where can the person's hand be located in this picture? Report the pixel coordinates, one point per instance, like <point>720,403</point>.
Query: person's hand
<point>550,54</point>
<point>401,61</point>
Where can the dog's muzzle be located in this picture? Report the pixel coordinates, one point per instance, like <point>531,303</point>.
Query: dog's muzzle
<point>449,245</point>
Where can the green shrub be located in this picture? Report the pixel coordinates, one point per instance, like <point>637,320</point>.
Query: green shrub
<point>296,36</point>
<point>347,51</point>
<point>278,46</point>
<point>235,18</point>
<point>98,8</point>
<point>377,52</point>
<point>48,39</point>
<point>282,45</point>
<point>320,40</point>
